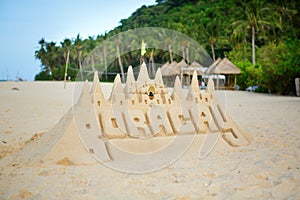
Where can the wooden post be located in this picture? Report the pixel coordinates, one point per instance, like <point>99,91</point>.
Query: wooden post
<point>297,84</point>
<point>235,82</point>
<point>181,77</point>
<point>120,63</point>
<point>217,81</point>
<point>66,69</point>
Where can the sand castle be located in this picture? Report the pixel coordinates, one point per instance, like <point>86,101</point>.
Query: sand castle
<point>141,121</point>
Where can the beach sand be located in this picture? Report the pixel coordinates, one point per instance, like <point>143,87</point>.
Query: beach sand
<point>269,168</point>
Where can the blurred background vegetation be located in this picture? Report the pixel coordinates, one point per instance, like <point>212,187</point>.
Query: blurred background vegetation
<point>261,37</point>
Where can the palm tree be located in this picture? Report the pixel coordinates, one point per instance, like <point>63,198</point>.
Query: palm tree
<point>105,59</point>
<point>78,48</point>
<point>100,42</point>
<point>51,56</point>
<point>211,33</point>
<point>257,17</point>
<point>151,63</point>
<point>169,44</point>
<point>66,47</point>
<point>118,41</point>
<point>90,45</point>
<point>239,37</point>
<point>41,54</point>
<point>286,12</point>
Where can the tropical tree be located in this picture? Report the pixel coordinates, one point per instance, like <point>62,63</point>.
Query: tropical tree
<point>211,34</point>
<point>51,59</point>
<point>258,17</point>
<point>90,45</point>
<point>40,54</point>
<point>118,42</point>
<point>66,46</point>
<point>105,59</point>
<point>287,12</point>
<point>78,48</point>
<point>52,56</point>
<point>169,45</point>
<point>281,65</point>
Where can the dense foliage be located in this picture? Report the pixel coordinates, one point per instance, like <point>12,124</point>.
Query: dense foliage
<point>260,36</point>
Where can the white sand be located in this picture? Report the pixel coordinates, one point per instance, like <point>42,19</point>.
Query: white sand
<point>268,168</point>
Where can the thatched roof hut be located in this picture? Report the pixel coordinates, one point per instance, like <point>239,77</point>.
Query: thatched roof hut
<point>181,64</point>
<point>164,68</point>
<point>211,69</point>
<point>224,67</point>
<point>169,69</point>
<point>169,72</point>
<point>194,66</point>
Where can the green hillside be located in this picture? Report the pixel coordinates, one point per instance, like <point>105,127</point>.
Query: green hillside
<point>260,37</point>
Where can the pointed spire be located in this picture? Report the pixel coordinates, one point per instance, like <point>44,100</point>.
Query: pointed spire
<point>117,86</point>
<point>130,76</point>
<point>158,78</point>
<point>143,75</point>
<point>195,83</point>
<point>194,88</point>
<point>97,89</point>
<point>96,77</point>
<point>85,97</point>
<point>130,82</point>
<point>210,86</point>
<point>177,90</point>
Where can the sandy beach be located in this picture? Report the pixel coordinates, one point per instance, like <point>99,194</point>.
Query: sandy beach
<point>268,168</point>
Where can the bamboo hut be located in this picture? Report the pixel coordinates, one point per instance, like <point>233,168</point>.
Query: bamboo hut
<point>227,68</point>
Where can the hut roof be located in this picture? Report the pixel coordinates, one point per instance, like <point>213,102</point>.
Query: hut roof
<point>164,68</point>
<point>179,66</point>
<point>196,65</point>
<point>211,69</point>
<point>190,70</point>
<point>169,69</point>
<point>182,63</point>
<point>174,69</point>
<point>223,67</point>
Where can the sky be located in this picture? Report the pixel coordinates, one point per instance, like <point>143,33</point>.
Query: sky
<point>24,22</point>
